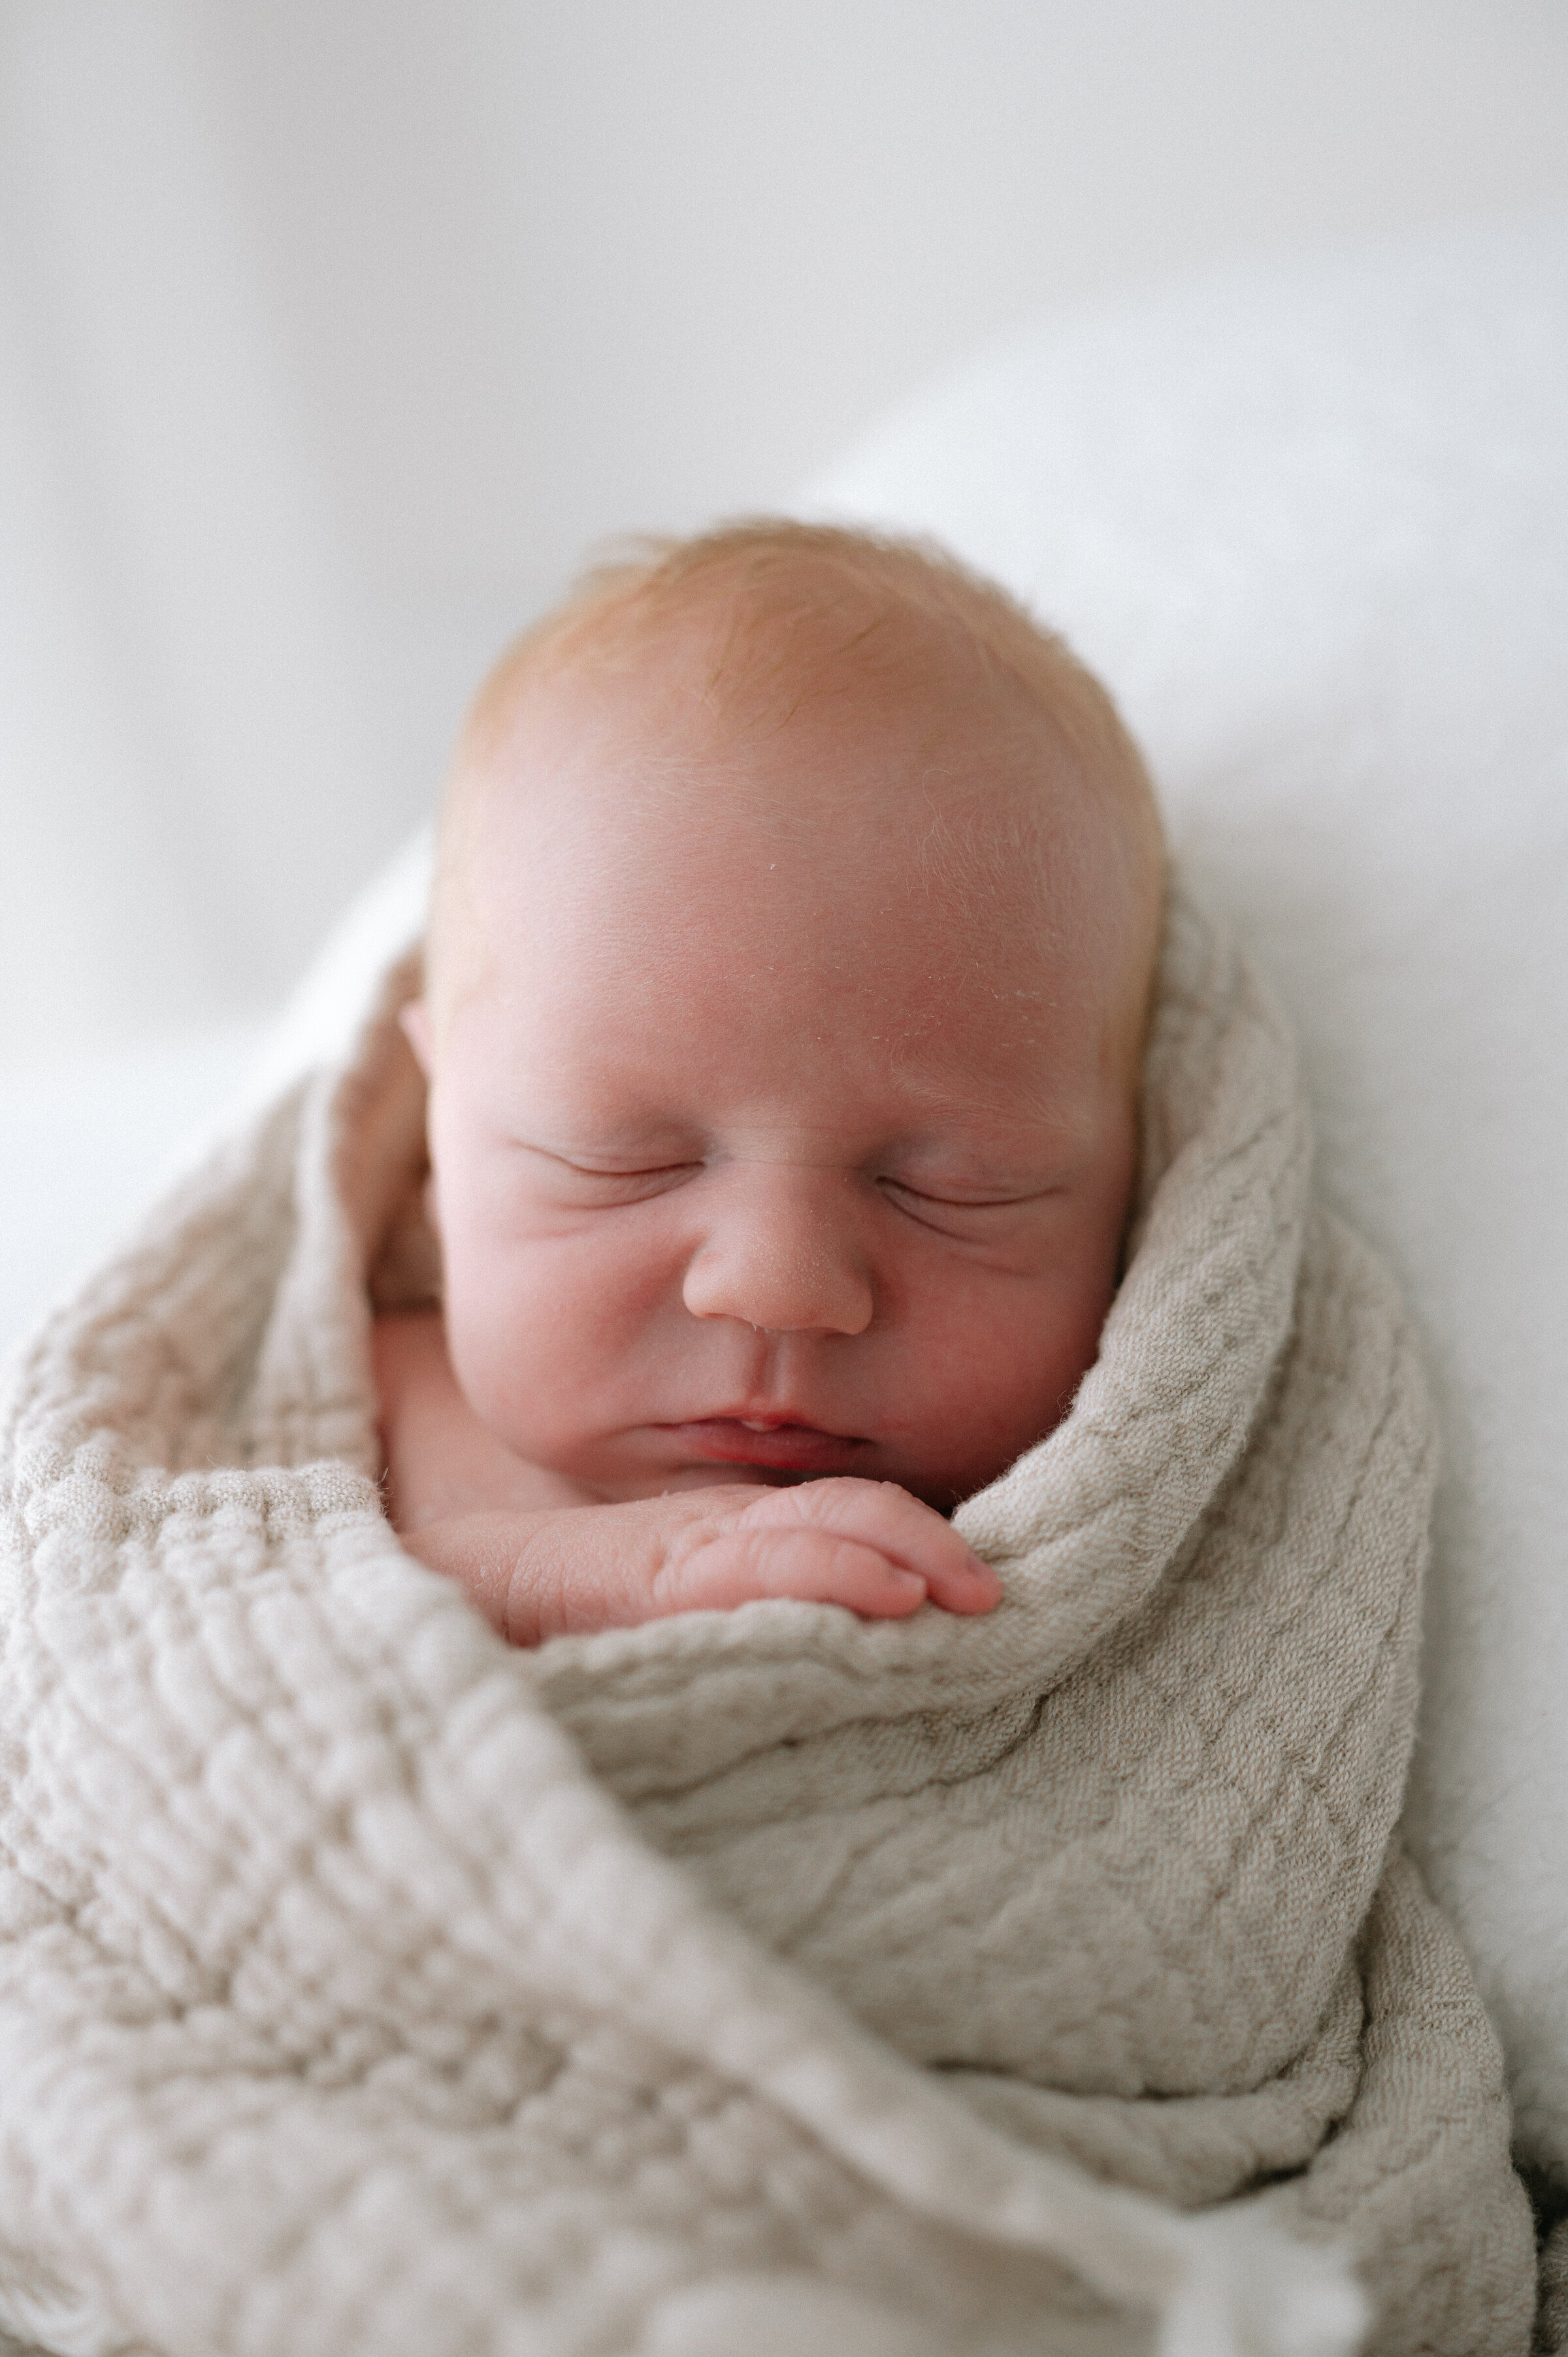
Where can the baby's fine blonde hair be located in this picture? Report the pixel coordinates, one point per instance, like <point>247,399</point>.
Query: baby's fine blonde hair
<point>793,603</point>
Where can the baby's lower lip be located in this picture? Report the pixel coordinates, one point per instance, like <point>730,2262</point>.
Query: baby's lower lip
<point>786,1447</point>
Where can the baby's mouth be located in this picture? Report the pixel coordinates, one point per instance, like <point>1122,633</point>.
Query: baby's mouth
<point>779,1446</point>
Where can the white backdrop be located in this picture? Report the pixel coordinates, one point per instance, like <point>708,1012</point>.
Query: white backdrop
<point>333,333</point>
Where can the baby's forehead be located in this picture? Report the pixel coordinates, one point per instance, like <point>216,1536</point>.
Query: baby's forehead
<point>880,713</point>
<point>818,755</point>
<point>869,865</point>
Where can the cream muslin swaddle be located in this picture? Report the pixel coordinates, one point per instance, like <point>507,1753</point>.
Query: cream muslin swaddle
<point>767,1982</point>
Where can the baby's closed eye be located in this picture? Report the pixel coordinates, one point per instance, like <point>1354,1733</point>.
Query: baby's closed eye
<point>590,1184</point>
<point>962,1214</point>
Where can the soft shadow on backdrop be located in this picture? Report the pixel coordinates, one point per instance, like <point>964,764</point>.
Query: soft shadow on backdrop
<point>334,333</point>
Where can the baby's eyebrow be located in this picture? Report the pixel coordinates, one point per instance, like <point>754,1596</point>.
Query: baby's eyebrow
<point>1004,1133</point>
<point>1010,1179</point>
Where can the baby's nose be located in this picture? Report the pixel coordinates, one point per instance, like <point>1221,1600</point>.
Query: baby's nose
<point>788,1262</point>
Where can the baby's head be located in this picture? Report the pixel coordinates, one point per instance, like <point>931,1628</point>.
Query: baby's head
<point>796,911</point>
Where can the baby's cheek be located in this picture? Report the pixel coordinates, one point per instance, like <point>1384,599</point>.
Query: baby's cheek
<point>491,1337</point>
<point>1001,1371</point>
<point>540,1332</point>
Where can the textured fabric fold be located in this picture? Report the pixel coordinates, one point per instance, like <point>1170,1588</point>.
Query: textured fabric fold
<point>1049,1981</point>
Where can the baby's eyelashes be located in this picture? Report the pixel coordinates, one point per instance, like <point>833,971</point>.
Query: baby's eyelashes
<point>962,1199</point>
<point>584,1182</point>
<point>966,1216</point>
<point>968,1210</point>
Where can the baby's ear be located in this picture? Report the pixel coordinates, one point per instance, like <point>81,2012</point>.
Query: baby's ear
<point>416,1019</point>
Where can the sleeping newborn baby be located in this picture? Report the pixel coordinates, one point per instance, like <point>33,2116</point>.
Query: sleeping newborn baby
<point>797,909</point>
<point>800,914</point>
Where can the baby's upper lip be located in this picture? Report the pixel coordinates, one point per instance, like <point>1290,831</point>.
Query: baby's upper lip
<point>756,1417</point>
<point>764,1419</point>
<point>767,1437</point>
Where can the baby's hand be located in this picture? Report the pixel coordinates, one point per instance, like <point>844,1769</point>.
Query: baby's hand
<point>867,1546</point>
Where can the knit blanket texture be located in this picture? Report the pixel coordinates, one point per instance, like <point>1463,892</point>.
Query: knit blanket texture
<point>760,1983</point>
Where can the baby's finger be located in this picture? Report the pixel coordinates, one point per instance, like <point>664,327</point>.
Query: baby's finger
<point>814,1567</point>
<point>880,1514</point>
<point>829,1570</point>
